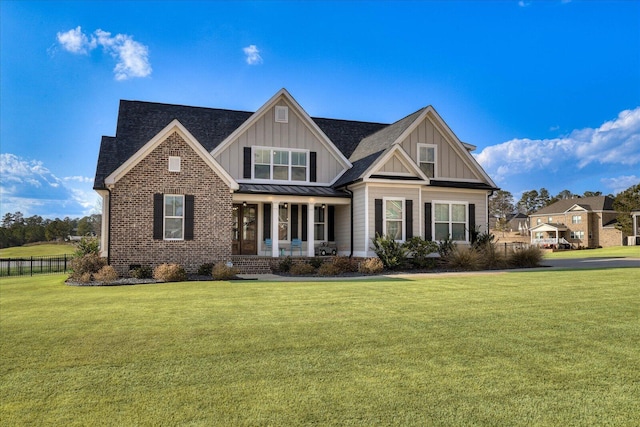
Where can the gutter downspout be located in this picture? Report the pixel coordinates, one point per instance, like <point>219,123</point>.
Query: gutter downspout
<point>351,225</point>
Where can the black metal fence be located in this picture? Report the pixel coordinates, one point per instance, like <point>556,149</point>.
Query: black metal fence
<point>28,266</point>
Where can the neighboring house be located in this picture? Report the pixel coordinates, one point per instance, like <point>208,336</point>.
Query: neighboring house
<point>517,222</point>
<point>192,185</point>
<point>582,222</point>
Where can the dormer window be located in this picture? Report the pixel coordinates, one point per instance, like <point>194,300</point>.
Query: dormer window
<point>427,159</point>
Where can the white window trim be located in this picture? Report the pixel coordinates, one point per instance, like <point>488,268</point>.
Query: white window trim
<point>435,157</point>
<point>324,223</point>
<point>402,216</point>
<point>466,216</point>
<point>287,222</point>
<point>272,150</point>
<point>576,219</point>
<point>165,216</point>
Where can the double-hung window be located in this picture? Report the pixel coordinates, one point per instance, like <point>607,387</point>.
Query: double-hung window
<point>427,159</point>
<point>394,218</point>
<point>173,217</point>
<point>450,221</point>
<point>318,222</point>
<point>283,222</point>
<point>280,165</point>
<point>576,219</point>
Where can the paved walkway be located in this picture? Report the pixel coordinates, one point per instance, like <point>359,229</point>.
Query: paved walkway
<point>547,264</point>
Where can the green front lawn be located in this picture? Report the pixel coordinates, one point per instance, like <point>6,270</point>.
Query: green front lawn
<point>518,348</point>
<point>615,251</point>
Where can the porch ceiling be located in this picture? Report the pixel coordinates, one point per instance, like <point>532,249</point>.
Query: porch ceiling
<point>291,190</point>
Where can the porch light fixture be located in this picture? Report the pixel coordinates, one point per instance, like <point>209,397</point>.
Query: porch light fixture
<point>324,206</point>
<point>286,205</point>
<point>244,204</point>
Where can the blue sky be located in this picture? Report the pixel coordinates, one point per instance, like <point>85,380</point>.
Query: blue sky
<point>549,91</point>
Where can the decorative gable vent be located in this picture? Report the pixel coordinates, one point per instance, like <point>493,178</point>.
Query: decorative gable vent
<point>282,114</point>
<point>174,163</point>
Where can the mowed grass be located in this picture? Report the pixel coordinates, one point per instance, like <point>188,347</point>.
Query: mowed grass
<point>44,249</point>
<point>614,251</point>
<point>521,348</point>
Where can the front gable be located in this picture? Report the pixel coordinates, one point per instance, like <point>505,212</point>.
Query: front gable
<point>453,160</point>
<point>281,123</point>
<point>395,164</point>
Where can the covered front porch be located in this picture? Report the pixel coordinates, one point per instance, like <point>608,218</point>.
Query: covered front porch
<point>549,235</point>
<point>282,220</point>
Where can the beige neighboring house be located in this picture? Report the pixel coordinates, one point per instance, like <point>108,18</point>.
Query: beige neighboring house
<point>193,185</point>
<point>587,222</point>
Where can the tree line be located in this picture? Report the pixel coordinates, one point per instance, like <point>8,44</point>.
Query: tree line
<point>16,230</point>
<point>502,205</point>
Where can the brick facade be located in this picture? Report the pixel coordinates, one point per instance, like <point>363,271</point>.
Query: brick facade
<point>131,228</point>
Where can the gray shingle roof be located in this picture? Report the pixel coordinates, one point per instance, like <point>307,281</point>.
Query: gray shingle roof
<point>595,203</point>
<point>139,122</point>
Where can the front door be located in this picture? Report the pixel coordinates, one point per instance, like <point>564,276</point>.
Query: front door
<point>245,233</point>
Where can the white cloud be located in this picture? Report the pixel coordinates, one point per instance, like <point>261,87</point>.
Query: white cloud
<point>522,3</point>
<point>252,55</point>
<point>29,187</point>
<point>615,142</point>
<point>620,183</point>
<point>132,57</point>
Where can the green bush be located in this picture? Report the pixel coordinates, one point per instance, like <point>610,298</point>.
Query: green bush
<point>106,274</point>
<point>418,251</point>
<point>300,269</point>
<point>328,269</point>
<point>391,253</point>
<point>285,264</point>
<point>526,258</point>
<point>371,266</point>
<point>142,272</point>
<point>169,273</point>
<point>446,246</point>
<point>87,246</point>
<point>205,269</point>
<point>464,259</point>
<point>221,271</point>
<point>87,264</point>
<point>316,262</point>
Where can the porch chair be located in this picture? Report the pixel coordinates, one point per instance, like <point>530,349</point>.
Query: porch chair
<point>296,244</point>
<point>267,246</point>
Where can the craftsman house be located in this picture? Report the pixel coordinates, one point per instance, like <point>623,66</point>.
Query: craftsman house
<point>587,222</point>
<point>193,185</point>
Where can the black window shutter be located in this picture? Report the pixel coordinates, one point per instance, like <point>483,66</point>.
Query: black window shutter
<point>189,214</point>
<point>266,220</point>
<point>408,215</point>
<point>247,163</point>
<point>427,222</point>
<point>472,220</point>
<point>313,160</point>
<point>294,221</point>
<point>331,223</point>
<point>305,222</point>
<point>158,215</point>
<point>378,216</point>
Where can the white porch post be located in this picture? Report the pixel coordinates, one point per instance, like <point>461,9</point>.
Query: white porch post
<point>275,211</point>
<point>311,239</point>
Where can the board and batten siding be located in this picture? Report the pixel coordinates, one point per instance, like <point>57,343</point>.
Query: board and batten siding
<point>266,132</point>
<point>393,166</point>
<point>449,162</point>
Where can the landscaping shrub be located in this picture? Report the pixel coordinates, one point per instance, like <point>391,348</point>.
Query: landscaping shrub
<point>86,264</point>
<point>106,274</point>
<point>492,258</point>
<point>169,273</point>
<point>446,246</point>
<point>464,259</point>
<point>526,258</point>
<point>86,246</point>
<point>285,264</point>
<point>418,250</point>
<point>316,262</point>
<point>371,266</point>
<point>141,272</point>
<point>328,269</point>
<point>391,253</point>
<point>205,269</point>
<point>344,264</point>
<point>301,269</point>
<point>221,271</point>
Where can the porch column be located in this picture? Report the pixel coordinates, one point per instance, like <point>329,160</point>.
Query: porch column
<point>275,211</point>
<point>311,239</point>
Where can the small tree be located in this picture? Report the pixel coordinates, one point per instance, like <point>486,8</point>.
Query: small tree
<point>392,254</point>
